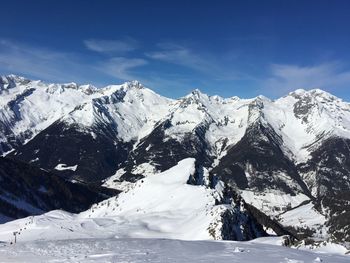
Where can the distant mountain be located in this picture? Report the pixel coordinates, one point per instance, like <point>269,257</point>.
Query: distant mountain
<point>288,159</point>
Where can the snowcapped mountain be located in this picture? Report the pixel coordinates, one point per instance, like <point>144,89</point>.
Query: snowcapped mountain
<point>131,112</point>
<point>287,160</point>
<point>28,107</point>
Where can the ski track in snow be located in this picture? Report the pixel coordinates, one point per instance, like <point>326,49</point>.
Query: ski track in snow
<point>157,250</point>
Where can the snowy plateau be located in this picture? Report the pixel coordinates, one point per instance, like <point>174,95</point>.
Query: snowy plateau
<point>122,174</point>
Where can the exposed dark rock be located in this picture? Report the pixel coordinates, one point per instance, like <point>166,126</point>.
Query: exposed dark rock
<point>164,152</point>
<point>259,154</point>
<point>26,190</point>
<point>97,156</point>
<point>329,167</point>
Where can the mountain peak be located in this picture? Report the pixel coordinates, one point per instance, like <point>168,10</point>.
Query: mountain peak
<point>196,94</point>
<point>133,84</point>
<point>262,98</point>
<point>195,97</point>
<point>13,78</point>
<point>196,91</point>
<point>298,91</point>
<point>312,92</point>
<point>320,92</point>
<point>70,85</point>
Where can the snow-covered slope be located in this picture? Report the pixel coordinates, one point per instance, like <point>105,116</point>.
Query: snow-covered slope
<point>27,107</point>
<point>225,119</point>
<point>165,205</point>
<point>304,118</point>
<point>306,216</point>
<point>131,108</point>
<point>159,250</point>
<point>162,205</point>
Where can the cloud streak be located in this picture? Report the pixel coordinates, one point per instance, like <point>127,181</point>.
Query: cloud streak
<point>286,78</point>
<point>205,71</point>
<point>121,67</point>
<point>179,55</point>
<point>200,62</point>
<point>111,46</point>
<point>39,62</point>
<point>57,66</point>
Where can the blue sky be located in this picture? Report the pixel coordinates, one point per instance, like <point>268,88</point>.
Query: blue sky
<point>242,48</point>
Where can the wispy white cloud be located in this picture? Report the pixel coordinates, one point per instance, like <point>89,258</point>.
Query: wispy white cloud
<point>200,61</point>
<point>40,62</point>
<point>286,78</point>
<point>57,66</point>
<point>183,56</point>
<point>121,67</point>
<point>111,46</point>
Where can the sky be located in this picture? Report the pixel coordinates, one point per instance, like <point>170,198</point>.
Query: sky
<point>230,48</point>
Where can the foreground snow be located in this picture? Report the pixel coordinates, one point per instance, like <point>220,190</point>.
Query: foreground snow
<point>161,205</point>
<point>158,206</point>
<point>157,250</point>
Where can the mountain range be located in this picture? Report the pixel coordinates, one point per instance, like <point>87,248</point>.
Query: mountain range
<point>205,167</point>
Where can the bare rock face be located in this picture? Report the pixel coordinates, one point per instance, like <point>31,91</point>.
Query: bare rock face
<point>26,190</point>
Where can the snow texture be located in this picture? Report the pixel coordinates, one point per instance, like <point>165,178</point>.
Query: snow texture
<point>158,250</point>
<point>158,206</point>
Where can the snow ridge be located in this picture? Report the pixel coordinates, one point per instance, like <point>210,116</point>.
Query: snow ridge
<point>161,205</point>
